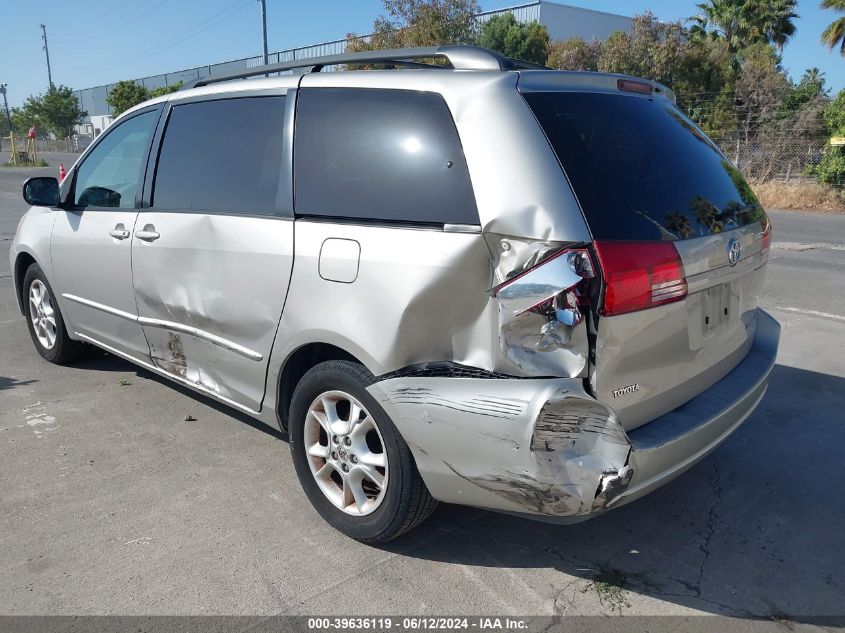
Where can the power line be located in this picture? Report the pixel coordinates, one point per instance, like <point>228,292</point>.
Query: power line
<point>190,33</point>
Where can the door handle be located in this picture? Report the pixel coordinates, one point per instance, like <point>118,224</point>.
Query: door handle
<point>119,232</point>
<point>148,234</point>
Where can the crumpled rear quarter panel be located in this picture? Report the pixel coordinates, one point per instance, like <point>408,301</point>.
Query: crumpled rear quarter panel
<point>476,442</point>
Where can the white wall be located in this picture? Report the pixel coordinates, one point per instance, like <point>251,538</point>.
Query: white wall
<point>565,22</point>
<point>98,124</point>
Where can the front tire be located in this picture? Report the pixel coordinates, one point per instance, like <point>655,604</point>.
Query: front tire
<point>353,465</point>
<point>44,319</point>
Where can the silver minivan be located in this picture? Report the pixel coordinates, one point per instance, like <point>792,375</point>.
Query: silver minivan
<point>472,280</point>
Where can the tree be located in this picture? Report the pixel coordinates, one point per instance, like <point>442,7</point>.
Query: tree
<point>57,111</point>
<point>759,89</point>
<point>727,20</point>
<point>834,34</point>
<point>574,54</point>
<point>126,94</point>
<point>703,85</point>
<point>652,50</point>
<point>164,90</point>
<point>22,120</point>
<point>528,41</point>
<point>774,20</point>
<point>831,167</point>
<point>834,115</point>
<point>19,125</point>
<point>809,90</point>
<point>410,23</point>
<point>741,23</point>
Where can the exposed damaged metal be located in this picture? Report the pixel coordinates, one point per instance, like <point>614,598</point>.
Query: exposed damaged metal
<point>513,255</point>
<point>524,491</point>
<point>612,484</point>
<point>175,362</point>
<point>540,316</point>
<point>564,420</point>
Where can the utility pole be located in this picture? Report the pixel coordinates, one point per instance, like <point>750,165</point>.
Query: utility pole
<point>264,27</point>
<point>47,51</point>
<point>6,105</point>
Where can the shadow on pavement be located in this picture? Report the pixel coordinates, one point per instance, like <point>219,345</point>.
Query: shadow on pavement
<point>11,383</point>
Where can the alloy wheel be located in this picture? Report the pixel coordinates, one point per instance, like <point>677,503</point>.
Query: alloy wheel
<point>42,314</point>
<point>346,453</point>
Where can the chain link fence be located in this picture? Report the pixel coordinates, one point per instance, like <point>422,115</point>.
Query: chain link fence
<point>773,157</point>
<point>41,145</point>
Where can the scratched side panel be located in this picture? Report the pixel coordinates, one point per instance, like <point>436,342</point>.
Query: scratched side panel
<point>210,293</point>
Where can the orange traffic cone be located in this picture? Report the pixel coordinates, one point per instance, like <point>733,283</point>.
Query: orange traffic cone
<point>62,172</point>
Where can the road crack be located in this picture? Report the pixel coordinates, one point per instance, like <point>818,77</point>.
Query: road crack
<point>710,531</point>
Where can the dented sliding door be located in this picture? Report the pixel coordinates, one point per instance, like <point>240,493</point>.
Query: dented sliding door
<point>210,291</point>
<point>213,252</point>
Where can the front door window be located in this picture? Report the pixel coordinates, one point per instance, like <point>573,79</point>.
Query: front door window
<point>110,175</point>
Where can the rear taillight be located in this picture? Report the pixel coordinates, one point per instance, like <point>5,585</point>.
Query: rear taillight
<point>765,237</point>
<point>640,275</point>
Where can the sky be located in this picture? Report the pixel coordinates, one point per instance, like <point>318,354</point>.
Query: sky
<point>95,42</point>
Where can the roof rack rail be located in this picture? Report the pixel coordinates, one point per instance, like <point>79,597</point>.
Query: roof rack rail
<point>459,57</point>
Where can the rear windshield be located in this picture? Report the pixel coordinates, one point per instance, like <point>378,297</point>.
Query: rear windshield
<point>642,170</point>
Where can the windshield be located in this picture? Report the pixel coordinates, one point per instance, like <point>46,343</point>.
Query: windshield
<point>641,170</point>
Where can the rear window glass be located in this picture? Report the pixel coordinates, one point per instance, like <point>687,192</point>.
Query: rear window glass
<point>390,155</point>
<point>642,170</point>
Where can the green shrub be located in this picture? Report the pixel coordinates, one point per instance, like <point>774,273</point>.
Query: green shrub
<point>831,168</point>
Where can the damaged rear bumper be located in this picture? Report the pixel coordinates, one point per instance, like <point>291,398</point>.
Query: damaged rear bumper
<point>546,448</point>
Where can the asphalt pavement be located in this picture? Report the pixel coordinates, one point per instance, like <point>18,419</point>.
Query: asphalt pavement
<point>112,503</point>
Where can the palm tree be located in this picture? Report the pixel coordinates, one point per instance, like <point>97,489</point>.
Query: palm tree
<point>834,34</point>
<point>777,21</point>
<point>813,76</point>
<point>723,19</point>
<point>743,22</point>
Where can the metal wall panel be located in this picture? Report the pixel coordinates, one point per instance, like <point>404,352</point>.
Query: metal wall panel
<point>522,13</point>
<point>564,22</point>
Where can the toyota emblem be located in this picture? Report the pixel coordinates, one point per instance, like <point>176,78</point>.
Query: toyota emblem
<point>734,251</point>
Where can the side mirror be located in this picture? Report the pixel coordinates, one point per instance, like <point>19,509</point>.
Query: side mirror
<point>41,191</point>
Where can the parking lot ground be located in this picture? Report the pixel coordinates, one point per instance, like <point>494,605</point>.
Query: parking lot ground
<point>111,502</point>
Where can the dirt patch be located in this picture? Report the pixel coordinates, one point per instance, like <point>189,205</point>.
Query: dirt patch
<point>800,196</point>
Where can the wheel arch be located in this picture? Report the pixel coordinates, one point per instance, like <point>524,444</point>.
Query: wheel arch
<point>23,261</point>
<point>295,367</point>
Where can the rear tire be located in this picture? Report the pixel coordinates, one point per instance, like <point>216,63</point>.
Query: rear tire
<point>45,322</point>
<point>343,444</point>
